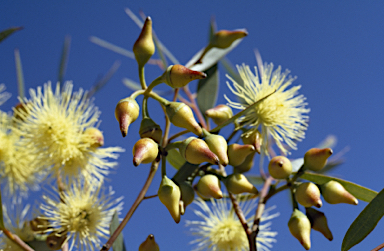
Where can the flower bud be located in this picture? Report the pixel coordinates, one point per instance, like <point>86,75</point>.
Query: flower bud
<point>169,195</point>
<point>308,194</point>
<point>126,112</point>
<point>237,183</point>
<point>96,137</point>
<point>149,244</point>
<point>182,116</point>
<point>144,47</point>
<point>238,153</point>
<point>209,187</point>
<point>219,114</point>
<point>196,151</point>
<point>187,194</point>
<point>246,165</point>
<point>39,225</point>
<point>300,227</point>
<point>218,145</point>
<point>149,129</point>
<point>56,240</point>
<point>224,38</point>
<point>254,139</point>
<point>145,151</point>
<point>334,193</point>
<point>280,167</point>
<point>177,76</point>
<point>319,222</point>
<point>315,159</point>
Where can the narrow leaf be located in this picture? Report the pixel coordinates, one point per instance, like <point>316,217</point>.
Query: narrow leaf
<point>112,47</point>
<point>231,70</point>
<point>360,192</point>
<point>131,84</point>
<point>207,89</point>
<point>119,244</point>
<point>1,214</point>
<point>20,75</point>
<point>5,33</point>
<point>365,222</point>
<point>102,82</point>
<point>255,180</point>
<point>64,59</point>
<point>175,159</point>
<point>185,172</point>
<point>159,49</point>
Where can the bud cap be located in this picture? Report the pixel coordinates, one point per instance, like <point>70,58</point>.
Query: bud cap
<point>315,159</point>
<point>218,145</point>
<point>177,76</point>
<point>308,194</point>
<point>144,47</point>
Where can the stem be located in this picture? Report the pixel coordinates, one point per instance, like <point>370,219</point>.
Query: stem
<point>134,206</point>
<point>240,214</point>
<point>155,82</point>
<point>142,77</point>
<point>16,239</point>
<point>150,197</point>
<point>195,107</point>
<point>177,135</point>
<point>261,205</point>
<point>378,247</point>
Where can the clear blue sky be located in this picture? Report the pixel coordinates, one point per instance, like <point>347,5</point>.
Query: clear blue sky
<point>334,48</point>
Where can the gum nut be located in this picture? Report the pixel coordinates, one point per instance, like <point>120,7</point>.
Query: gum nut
<point>280,167</point>
<point>308,194</point>
<point>333,193</point>
<point>209,187</point>
<point>145,151</point>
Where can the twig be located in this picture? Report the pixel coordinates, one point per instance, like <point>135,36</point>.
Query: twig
<point>150,196</point>
<point>16,239</point>
<point>378,247</point>
<point>195,107</point>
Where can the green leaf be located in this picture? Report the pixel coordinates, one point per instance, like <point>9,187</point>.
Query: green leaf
<point>119,244</point>
<point>175,159</point>
<point>20,75</point>
<point>39,245</point>
<point>360,192</point>
<point>365,222</point>
<point>255,180</point>
<point>207,89</point>
<point>211,57</point>
<point>112,47</point>
<point>64,59</point>
<point>185,172</point>
<point>5,33</point>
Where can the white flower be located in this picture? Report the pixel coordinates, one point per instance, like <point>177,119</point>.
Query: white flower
<point>281,115</point>
<point>221,230</point>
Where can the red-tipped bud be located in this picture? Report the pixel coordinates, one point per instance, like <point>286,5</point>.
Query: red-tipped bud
<point>300,227</point>
<point>238,153</point>
<point>144,47</point>
<point>237,183</point>
<point>333,193</point>
<point>182,116</point>
<point>187,194</point>
<point>254,139</point>
<point>209,187</point>
<point>149,129</point>
<point>319,222</point>
<point>56,240</point>
<point>219,114</point>
<point>144,151</point>
<point>315,159</point>
<point>224,38</point>
<point>308,194</point>
<point>169,194</point>
<point>280,167</point>
<point>246,165</point>
<point>196,151</point>
<point>218,145</point>
<point>149,244</point>
<point>177,76</point>
<point>96,137</point>
<point>126,112</point>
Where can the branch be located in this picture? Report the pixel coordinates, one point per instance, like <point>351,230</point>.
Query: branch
<point>16,239</point>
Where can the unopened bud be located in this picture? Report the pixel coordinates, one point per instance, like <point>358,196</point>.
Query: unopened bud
<point>219,114</point>
<point>39,225</point>
<point>56,240</point>
<point>209,187</point>
<point>95,137</point>
<point>246,165</point>
<point>254,139</point>
<point>308,194</point>
<point>224,38</point>
<point>187,194</point>
<point>149,244</point>
<point>315,159</point>
<point>144,47</point>
<point>237,183</point>
<point>319,222</point>
<point>144,151</point>
<point>169,195</point>
<point>334,193</point>
<point>280,167</point>
<point>126,112</point>
<point>182,116</point>
<point>196,151</point>
<point>300,227</point>
<point>177,76</point>
<point>149,129</point>
<point>218,145</point>
<point>237,153</point>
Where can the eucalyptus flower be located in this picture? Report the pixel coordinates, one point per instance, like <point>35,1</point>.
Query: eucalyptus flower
<point>4,96</point>
<point>281,115</point>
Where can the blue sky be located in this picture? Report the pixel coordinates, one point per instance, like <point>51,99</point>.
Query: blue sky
<point>334,48</point>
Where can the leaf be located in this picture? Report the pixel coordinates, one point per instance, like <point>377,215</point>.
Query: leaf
<point>175,159</point>
<point>207,89</point>
<point>365,222</point>
<point>102,82</point>
<point>20,75</point>
<point>112,47</point>
<point>185,172</point>
<point>211,57</point>
<point>119,244</point>
<point>1,214</point>
<point>39,245</point>
<point>131,84</point>
<point>255,180</point>
<point>64,59</point>
<point>5,33</point>
<point>360,192</point>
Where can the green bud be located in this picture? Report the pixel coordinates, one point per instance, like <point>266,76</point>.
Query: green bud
<point>238,153</point>
<point>333,193</point>
<point>149,244</point>
<point>254,139</point>
<point>280,167</point>
<point>169,194</point>
<point>246,165</point>
<point>315,159</point>
<point>196,151</point>
<point>300,227</point>
<point>308,194</point>
<point>209,187</point>
<point>182,116</point>
<point>219,114</point>
<point>319,222</point>
<point>237,183</point>
<point>177,76</point>
<point>95,136</point>
<point>218,145</point>
<point>187,194</point>
<point>126,112</point>
<point>144,47</point>
<point>149,129</point>
<point>144,151</point>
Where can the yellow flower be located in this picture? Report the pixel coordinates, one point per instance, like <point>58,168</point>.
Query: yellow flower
<point>281,116</point>
<point>84,212</point>
<point>54,123</point>
<point>4,96</point>
<point>221,230</point>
